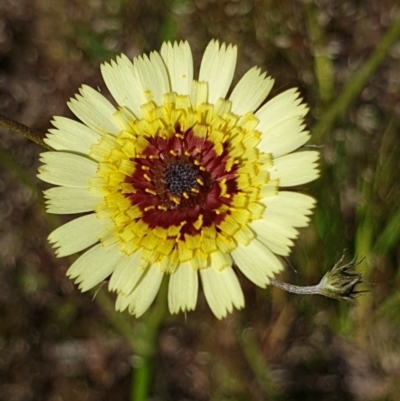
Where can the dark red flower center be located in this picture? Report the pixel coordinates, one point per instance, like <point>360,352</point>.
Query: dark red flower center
<point>177,182</point>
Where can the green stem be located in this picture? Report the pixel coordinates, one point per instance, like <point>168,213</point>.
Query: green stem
<point>23,130</point>
<point>141,336</point>
<point>358,81</point>
<point>148,331</point>
<point>142,380</point>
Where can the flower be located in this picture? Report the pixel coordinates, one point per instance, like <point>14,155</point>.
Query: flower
<point>178,179</point>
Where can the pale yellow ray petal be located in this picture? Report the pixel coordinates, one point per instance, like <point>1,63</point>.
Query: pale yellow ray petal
<point>77,234</point>
<point>217,68</point>
<point>179,62</point>
<point>295,168</point>
<point>67,169</point>
<point>284,137</point>
<point>290,209</point>
<point>126,274</point>
<point>122,83</point>
<point>257,262</point>
<point>144,293</point>
<point>250,91</point>
<point>152,77</point>
<point>222,290</point>
<point>183,289</point>
<point>94,266</point>
<point>71,135</point>
<point>64,200</point>
<point>282,107</point>
<point>93,109</point>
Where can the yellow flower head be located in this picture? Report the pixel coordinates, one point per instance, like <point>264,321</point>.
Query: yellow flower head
<point>179,179</point>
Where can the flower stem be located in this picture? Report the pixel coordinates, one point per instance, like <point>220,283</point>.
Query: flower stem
<point>142,336</point>
<point>296,289</point>
<point>142,380</point>
<point>23,130</point>
<point>146,333</point>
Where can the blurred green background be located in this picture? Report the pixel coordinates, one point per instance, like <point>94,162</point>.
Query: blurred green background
<point>57,344</point>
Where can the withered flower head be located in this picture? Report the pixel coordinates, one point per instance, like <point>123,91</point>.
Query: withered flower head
<point>340,282</point>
